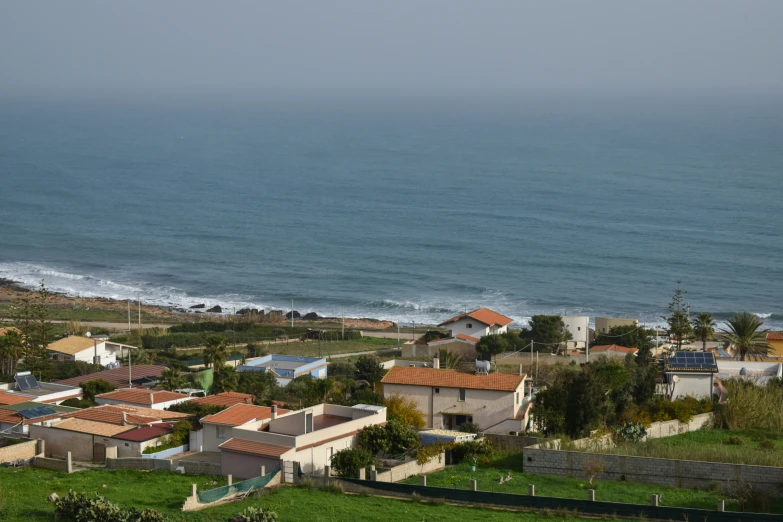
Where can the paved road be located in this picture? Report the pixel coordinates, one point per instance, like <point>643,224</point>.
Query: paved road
<point>371,352</point>
<point>391,335</point>
<point>117,326</point>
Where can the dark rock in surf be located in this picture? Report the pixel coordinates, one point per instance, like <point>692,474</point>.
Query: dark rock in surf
<point>215,309</point>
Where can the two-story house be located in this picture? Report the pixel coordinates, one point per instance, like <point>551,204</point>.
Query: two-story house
<point>450,398</point>
<point>476,324</point>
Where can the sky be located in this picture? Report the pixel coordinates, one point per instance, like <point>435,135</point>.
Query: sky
<point>405,45</point>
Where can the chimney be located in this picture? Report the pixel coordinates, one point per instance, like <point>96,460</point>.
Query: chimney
<point>124,419</point>
<point>274,411</point>
<point>521,371</point>
<point>436,362</point>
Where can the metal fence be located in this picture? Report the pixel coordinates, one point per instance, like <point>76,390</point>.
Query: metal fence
<point>582,506</point>
<point>213,495</point>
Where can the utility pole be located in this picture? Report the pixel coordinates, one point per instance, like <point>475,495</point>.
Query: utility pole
<point>531,355</point>
<point>413,332</point>
<point>398,334</point>
<point>292,313</point>
<point>139,298</point>
<point>129,327</point>
<point>130,379</point>
<point>343,324</point>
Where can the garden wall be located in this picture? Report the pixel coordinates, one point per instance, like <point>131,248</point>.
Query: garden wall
<point>23,450</point>
<point>664,472</point>
<point>410,468</point>
<point>63,465</point>
<point>165,453</point>
<point>190,467</point>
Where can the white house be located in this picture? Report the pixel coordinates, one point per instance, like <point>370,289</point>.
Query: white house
<point>310,437</point>
<point>217,427</point>
<point>579,328</point>
<point>155,399</point>
<point>476,324</point>
<point>450,398</point>
<point>88,349</point>
<point>690,374</point>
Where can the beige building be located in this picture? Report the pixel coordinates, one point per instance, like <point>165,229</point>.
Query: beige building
<point>154,399</point>
<point>612,350</point>
<point>450,398</point>
<point>309,436</point>
<point>217,428</point>
<point>476,324</point>
<point>88,349</point>
<point>604,324</point>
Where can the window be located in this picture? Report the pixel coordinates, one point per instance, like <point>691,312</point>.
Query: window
<point>578,328</point>
<point>462,394</point>
<point>437,390</point>
<point>469,325</point>
<point>221,432</point>
<point>126,444</point>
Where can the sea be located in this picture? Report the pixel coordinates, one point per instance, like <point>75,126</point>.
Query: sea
<point>394,206</point>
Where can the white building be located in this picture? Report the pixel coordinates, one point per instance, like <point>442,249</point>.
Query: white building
<point>450,398</point>
<point>690,374</point>
<point>476,324</point>
<point>579,328</point>
<point>217,427</point>
<point>88,349</point>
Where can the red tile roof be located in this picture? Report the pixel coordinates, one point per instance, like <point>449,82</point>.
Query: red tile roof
<point>118,377</point>
<point>14,417</point>
<point>12,398</point>
<point>775,336</point>
<point>110,415</point>
<point>452,379</point>
<point>240,414</point>
<point>465,337</point>
<point>482,315</point>
<point>225,399</point>
<point>140,396</point>
<point>253,448</point>
<point>145,433</point>
<point>613,348</point>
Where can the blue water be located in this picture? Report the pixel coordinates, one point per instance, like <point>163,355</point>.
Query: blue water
<point>399,208</point>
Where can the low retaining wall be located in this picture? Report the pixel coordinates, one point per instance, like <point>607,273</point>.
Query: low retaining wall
<point>21,451</point>
<point>64,466</point>
<point>408,469</point>
<point>198,468</point>
<point>527,501</point>
<point>138,463</point>
<point>658,430</point>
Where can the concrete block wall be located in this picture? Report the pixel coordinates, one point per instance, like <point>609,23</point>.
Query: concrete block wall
<point>408,469</point>
<point>64,466</point>
<point>664,472</point>
<point>23,450</point>
<point>198,468</point>
<point>138,463</point>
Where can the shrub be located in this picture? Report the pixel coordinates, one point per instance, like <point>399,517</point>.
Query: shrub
<point>470,427</point>
<point>79,403</point>
<point>404,409</point>
<point>373,439</point>
<point>181,432</point>
<point>334,487</point>
<point>472,449</point>
<point>748,496</point>
<point>253,514</point>
<point>629,433</point>
<point>348,462</point>
<point>767,444</point>
<point>593,466</point>
<point>77,506</point>
<point>95,387</point>
<point>735,441</point>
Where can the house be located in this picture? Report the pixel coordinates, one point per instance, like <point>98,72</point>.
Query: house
<point>309,437</point>
<point>690,374</point>
<point>132,443</point>
<point>604,324</point>
<point>87,433</point>
<point>450,398</point>
<point>613,350</point>
<point>775,342</point>
<point>88,349</point>
<point>471,326</point>
<point>27,388</point>
<point>134,376</point>
<point>287,367</point>
<point>155,399</point>
<point>579,328</point>
<point>217,427</point>
<point>224,399</point>
<point>18,417</point>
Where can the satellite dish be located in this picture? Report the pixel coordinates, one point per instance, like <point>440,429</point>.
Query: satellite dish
<point>676,378</point>
<point>88,334</point>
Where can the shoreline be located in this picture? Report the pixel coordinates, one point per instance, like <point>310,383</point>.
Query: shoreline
<point>11,291</point>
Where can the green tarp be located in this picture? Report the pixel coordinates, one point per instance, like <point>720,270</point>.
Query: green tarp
<point>213,495</point>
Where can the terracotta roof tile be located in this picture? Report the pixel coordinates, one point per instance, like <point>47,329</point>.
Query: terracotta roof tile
<point>4,331</point>
<point>467,338</point>
<point>118,377</point>
<point>141,396</point>
<point>775,336</point>
<point>108,416</point>
<point>452,379</point>
<point>92,427</point>
<point>147,412</point>
<point>240,414</point>
<point>145,433</point>
<point>12,398</point>
<point>14,417</point>
<point>482,315</point>
<point>225,399</point>
<point>254,448</point>
<point>613,348</point>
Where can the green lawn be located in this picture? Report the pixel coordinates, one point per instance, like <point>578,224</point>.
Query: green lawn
<point>310,348</point>
<point>755,447</point>
<point>23,493</point>
<point>487,476</point>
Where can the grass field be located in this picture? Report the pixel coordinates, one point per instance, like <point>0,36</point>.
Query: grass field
<point>23,493</point>
<point>487,476</point>
<point>754,447</point>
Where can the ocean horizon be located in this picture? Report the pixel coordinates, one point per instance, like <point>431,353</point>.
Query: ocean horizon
<point>399,208</point>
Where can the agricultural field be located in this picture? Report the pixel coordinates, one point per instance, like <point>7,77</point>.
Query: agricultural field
<point>759,447</point>
<point>487,476</point>
<point>23,493</point>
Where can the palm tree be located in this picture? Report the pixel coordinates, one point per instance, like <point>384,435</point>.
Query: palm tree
<point>226,380</point>
<point>744,332</point>
<point>172,380</point>
<point>704,328</point>
<point>216,352</point>
<point>448,359</point>
<point>11,350</point>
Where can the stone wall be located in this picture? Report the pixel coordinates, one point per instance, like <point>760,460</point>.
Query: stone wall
<point>511,443</point>
<point>410,468</point>
<point>199,468</point>
<point>664,472</point>
<point>138,463</point>
<point>53,464</point>
<point>23,450</point>
<point>659,430</point>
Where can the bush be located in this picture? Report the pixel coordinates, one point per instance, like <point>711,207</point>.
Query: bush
<point>470,427</point>
<point>79,403</point>
<point>78,507</point>
<point>253,514</point>
<point>474,450</point>
<point>95,387</point>
<point>181,433</point>
<point>748,496</point>
<point>629,433</point>
<point>735,441</point>
<point>767,444</point>
<point>405,410</point>
<point>348,462</point>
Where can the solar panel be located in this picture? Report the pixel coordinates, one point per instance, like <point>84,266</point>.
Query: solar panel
<point>692,361</point>
<point>40,411</point>
<point>26,381</point>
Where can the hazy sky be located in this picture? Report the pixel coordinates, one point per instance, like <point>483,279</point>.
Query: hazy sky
<point>413,45</point>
